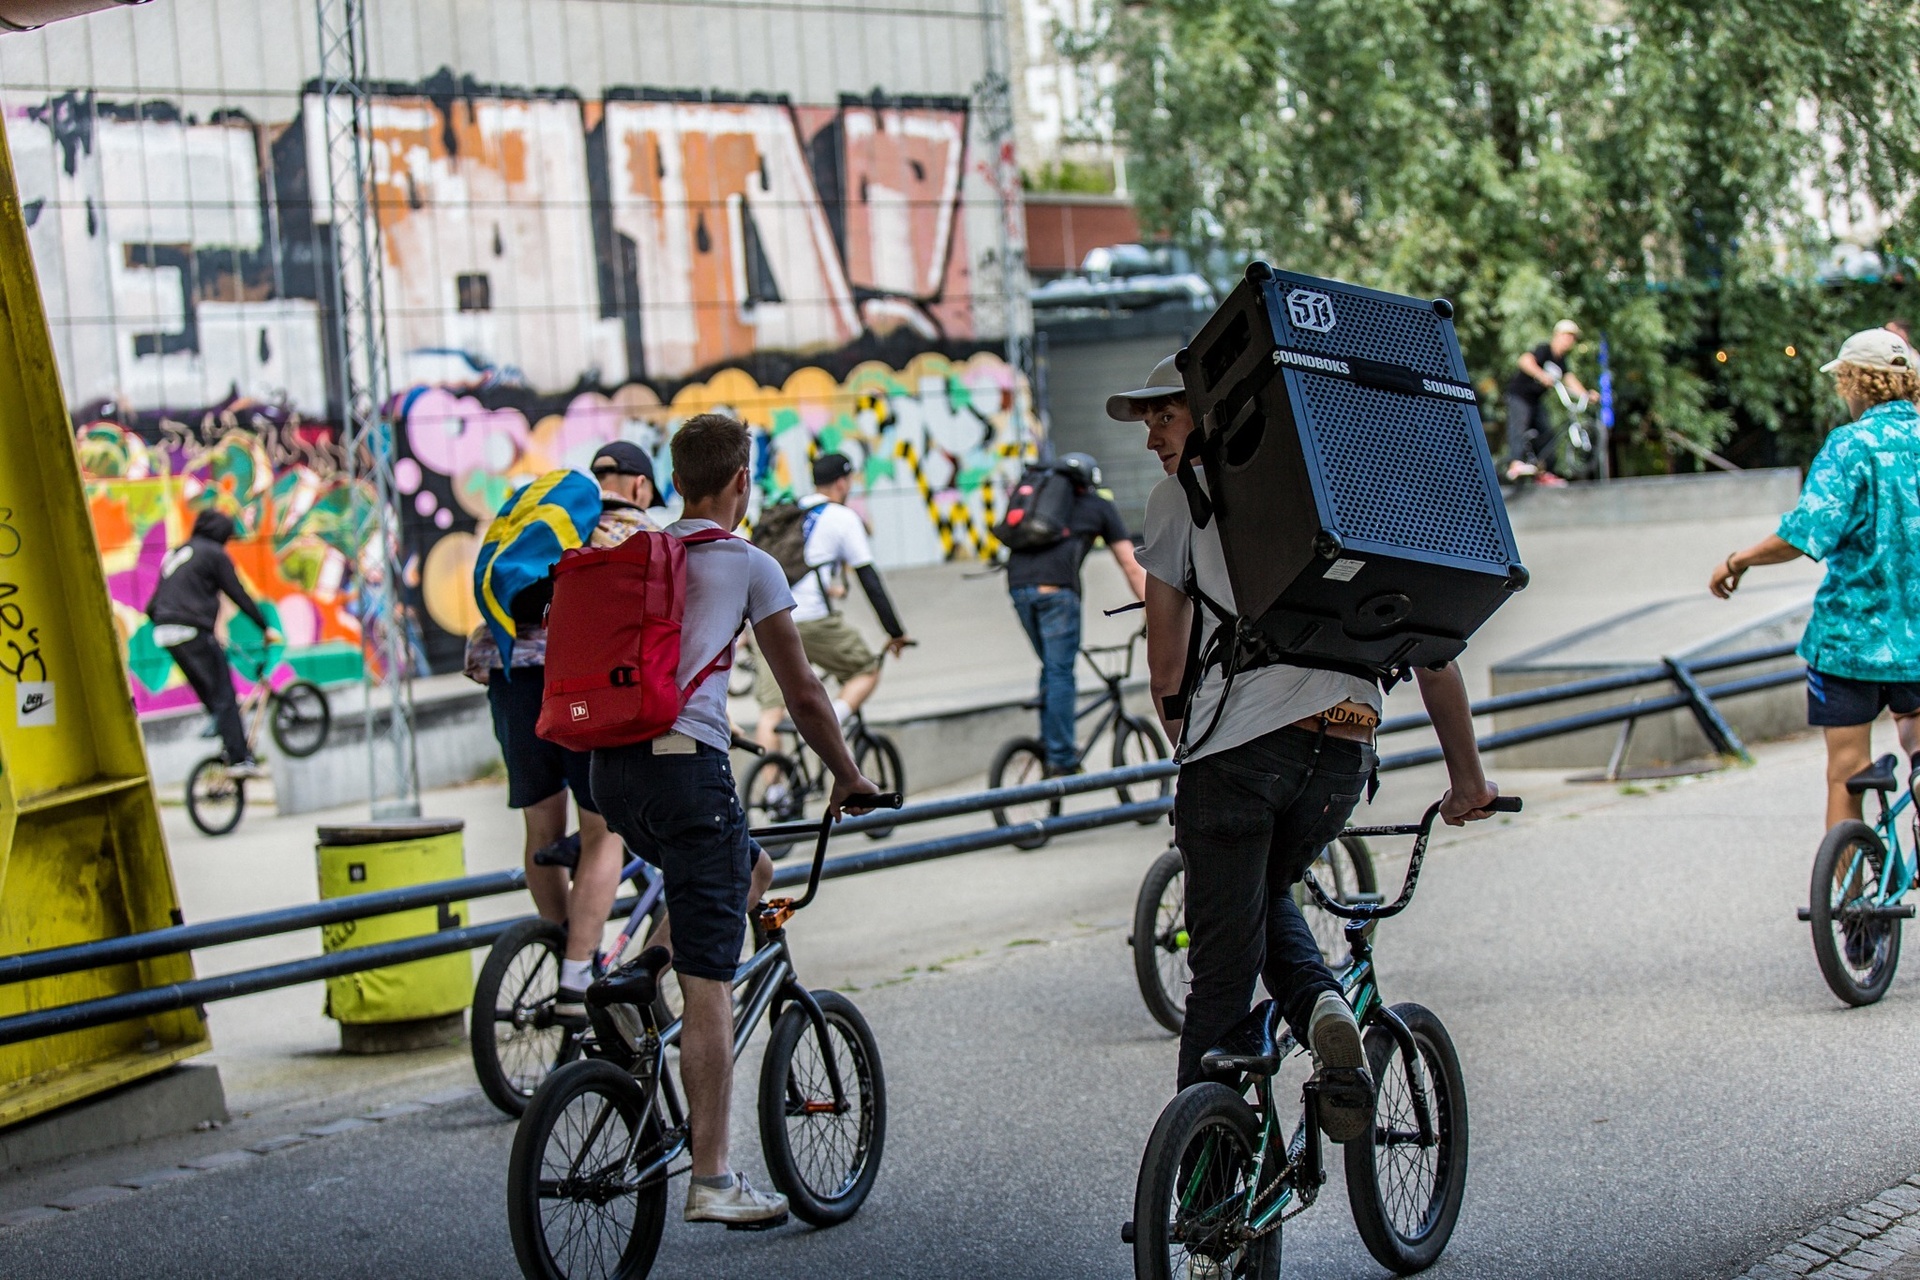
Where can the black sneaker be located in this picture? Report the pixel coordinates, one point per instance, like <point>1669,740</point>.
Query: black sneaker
<point>570,1007</point>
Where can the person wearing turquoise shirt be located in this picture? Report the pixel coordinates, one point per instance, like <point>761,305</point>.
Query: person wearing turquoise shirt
<point>1859,512</point>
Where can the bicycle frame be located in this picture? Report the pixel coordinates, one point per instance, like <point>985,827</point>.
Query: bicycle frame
<point>1108,700</point>
<point>1897,875</point>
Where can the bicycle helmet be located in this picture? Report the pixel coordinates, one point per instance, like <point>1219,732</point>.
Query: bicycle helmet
<point>1081,468</point>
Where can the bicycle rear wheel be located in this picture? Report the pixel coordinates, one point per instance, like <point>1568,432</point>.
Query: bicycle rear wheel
<point>879,760</point>
<point>301,718</point>
<point>776,792</point>
<point>1160,941</point>
<point>215,798</point>
<point>1021,761</point>
<point>574,1207</point>
<point>1137,741</point>
<point>823,1159</point>
<point>1345,870</point>
<point>515,1042</point>
<point>1405,1191</point>
<point>1189,1205</point>
<point>1857,952</point>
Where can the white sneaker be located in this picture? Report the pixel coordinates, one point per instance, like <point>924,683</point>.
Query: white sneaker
<point>1340,1062</point>
<point>1204,1268</point>
<point>248,769</point>
<point>737,1206</point>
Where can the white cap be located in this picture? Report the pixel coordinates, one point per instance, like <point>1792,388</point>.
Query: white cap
<point>1165,380</point>
<point>1567,326</point>
<point>1874,349</point>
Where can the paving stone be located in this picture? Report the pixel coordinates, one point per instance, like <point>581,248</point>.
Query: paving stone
<point>1907,1198</point>
<point>87,1197</point>
<point>445,1096</point>
<point>154,1177</point>
<point>1845,1228</point>
<point>1866,1262</point>
<point>1877,1249</point>
<point>280,1143</point>
<point>1841,1271</point>
<point>1813,1257</point>
<point>220,1160</point>
<point>394,1110</point>
<point>1792,1263</point>
<point>20,1217</point>
<point>1886,1208</point>
<point>1901,1236</point>
<point>1822,1241</point>
<point>1763,1271</point>
<point>1875,1222</point>
<point>347,1125</point>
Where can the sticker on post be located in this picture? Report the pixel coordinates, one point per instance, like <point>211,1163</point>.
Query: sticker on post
<point>33,704</point>
<point>1343,570</point>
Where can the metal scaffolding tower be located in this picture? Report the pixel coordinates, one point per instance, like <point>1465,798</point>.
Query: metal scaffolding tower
<point>366,436</point>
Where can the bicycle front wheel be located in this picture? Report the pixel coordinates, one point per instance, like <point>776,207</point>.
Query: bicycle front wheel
<point>823,1151</point>
<point>1160,941</point>
<point>776,792</point>
<point>575,1207</point>
<point>516,1043</point>
<point>879,760</point>
<point>1137,741</point>
<point>1021,761</point>
<point>1190,1204</point>
<point>1405,1187</point>
<point>215,798</point>
<point>301,718</point>
<point>1857,952</point>
<point>1345,870</point>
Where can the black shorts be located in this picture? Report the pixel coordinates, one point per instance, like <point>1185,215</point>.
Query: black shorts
<point>682,814</point>
<point>1835,702</point>
<point>536,768</point>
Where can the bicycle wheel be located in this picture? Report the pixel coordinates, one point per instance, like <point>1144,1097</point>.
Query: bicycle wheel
<point>515,1042</point>
<point>1137,741</point>
<point>215,799</point>
<point>1857,953</point>
<point>740,675</point>
<point>824,1160</point>
<point>877,758</point>
<point>301,719</point>
<point>1018,762</point>
<point>573,1206</point>
<point>1405,1193</point>
<point>1189,1206</point>
<point>776,792</point>
<point>1160,941</point>
<point>1345,870</point>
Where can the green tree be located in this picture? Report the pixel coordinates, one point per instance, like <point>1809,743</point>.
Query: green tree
<point>1658,169</point>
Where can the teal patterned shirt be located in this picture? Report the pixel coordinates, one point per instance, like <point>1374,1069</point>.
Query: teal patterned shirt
<point>1860,512</point>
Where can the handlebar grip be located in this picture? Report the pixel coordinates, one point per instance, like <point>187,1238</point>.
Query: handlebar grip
<point>748,745</point>
<point>1505,804</point>
<point>868,803</point>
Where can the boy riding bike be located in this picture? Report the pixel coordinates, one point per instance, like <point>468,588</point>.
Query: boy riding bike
<point>1271,772</point>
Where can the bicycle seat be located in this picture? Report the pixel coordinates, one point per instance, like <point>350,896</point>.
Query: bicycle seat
<point>1253,1046</point>
<point>636,983</point>
<point>1878,776</point>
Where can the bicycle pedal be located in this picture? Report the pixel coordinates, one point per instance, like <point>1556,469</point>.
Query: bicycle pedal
<point>765,1224</point>
<point>1126,1232</point>
<point>1804,914</point>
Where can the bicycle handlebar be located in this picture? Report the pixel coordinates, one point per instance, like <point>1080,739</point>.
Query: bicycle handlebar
<point>1420,831</point>
<point>862,803</point>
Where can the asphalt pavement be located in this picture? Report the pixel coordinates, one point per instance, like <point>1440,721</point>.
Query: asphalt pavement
<point>1660,1086</point>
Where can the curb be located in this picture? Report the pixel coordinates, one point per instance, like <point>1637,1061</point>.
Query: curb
<point>1863,1241</point>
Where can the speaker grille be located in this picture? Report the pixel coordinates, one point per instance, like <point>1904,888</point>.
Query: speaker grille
<point>1377,330</point>
<point>1402,470</point>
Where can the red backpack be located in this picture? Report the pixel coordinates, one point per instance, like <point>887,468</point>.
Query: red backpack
<point>613,642</point>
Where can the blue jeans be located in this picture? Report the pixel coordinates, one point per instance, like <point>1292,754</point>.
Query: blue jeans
<point>1052,620</point>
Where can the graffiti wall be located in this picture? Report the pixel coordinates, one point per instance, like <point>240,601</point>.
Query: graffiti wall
<point>558,272</point>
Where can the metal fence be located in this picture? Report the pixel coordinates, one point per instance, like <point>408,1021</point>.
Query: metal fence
<point>1133,783</point>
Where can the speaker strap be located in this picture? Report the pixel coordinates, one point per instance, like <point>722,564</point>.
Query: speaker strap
<point>1199,506</point>
<point>1377,374</point>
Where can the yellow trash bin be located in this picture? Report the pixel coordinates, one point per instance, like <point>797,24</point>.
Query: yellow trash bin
<point>419,1004</point>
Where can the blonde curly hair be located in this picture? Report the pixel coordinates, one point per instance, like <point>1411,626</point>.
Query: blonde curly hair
<point>1875,386</point>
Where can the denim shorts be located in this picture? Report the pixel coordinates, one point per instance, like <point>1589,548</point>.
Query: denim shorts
<point>682,814</point>
<point>536,768</point>
<point>1835,702</point>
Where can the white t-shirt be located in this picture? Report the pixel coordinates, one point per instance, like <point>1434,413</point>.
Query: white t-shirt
<point>1265,698</point>
<point>837,542</point>
<point>727,583</point>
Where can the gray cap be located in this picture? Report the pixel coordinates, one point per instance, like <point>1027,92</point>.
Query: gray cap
<point>1163,381</point>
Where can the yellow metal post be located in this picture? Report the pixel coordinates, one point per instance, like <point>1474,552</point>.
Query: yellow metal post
<point>81,851</point>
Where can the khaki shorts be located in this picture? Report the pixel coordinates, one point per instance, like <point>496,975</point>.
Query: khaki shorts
<point>832,644</point>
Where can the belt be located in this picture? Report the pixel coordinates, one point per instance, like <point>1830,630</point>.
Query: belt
<point>1354,721</point>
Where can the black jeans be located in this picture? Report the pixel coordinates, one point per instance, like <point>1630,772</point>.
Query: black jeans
<point>1250,820</point>
<point>1530,437</point>
<point>204,663</point>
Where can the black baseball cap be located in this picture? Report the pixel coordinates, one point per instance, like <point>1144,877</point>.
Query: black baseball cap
<point>625,458</point>
<point>829,467</point>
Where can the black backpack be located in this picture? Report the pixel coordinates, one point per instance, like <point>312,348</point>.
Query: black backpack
<point>781,532</point>
<point>1037,510</point>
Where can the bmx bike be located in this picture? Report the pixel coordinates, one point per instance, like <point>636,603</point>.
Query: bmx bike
<point>780,783</point>
<point>1220,1175</point>
<point>1861,875</point>
<point>297,715</point>
<point>587,1179</point>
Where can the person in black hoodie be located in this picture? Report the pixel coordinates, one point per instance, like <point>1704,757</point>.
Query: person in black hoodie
<point>184,608</point>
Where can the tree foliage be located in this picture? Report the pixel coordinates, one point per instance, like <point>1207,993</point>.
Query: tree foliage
<point>1664,171</point>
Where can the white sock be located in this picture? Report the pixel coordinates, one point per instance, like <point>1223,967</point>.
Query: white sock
<point>576,974</point>
<point>841,711</point>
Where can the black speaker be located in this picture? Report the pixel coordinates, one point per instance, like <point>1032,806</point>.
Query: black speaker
<point>1359,509</point>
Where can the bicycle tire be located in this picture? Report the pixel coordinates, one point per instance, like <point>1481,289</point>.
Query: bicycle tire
<point>1159,941</point>
<point>1342,874</point>
<point>1138,741</point>
<point>300,718</point>
<point>887,773</point>
<point>787,1087</point>
<point>1384,1215</point>
<point>1018,762</point>
<point>742,674</point>
<point>786,806</point>
<point>1229,1132</point>
<point>215,800</point>
<point>1857,956</point>
<point>523,964</point>
<point>631,1221</point>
